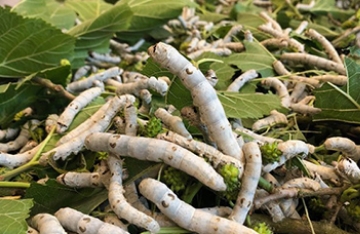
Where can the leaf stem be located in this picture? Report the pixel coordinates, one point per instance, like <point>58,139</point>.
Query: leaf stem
<point>55,87</point>
<point>14,184</point>
<point>33,162</point>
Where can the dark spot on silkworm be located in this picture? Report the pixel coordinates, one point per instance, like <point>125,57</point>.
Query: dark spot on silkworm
<point>129,106</point>
<point>117,201</point>
<point>188,71</point>
<point>86,219</point>
<point>82,229</point>
<point>104,172</point>
<point>242,200</point>
<point>173,148</point>
<point>62,178</point>
<point>172,196</point>
<point>164,204</point>
<point>112,145</point>
<point>95,176</point>
<point>154,48</point>
<point>170,157</point>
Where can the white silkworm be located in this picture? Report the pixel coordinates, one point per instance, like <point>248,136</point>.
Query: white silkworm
<point>350,169</point>
<point>130,116</point>
<point>211,77</point>
<point>280,69</point>
<point>119,204</point>
<point>159,151</point>
<point>80,85</point>
<point>267,28</point>
<point>114,220</point>
<point>346,146</point>
<point>215,156</point>
<point>9,133</point>
<point>15,160</point>
<point>325,172</point>
<point>327,46</point>
<point>335,79</point>
<point>218,51</point>
<point>184,214</point>
<point>106,58</point>
<point>274,24</point>
<point>145,97</point>
<point>297,92</point>
<point>131,76</point>
<point>304,109</point>
<point>275,42</point>
<point>303,182</point>
<point>191,114</point>
<point>173,122</point>
<point>204,96</point>
<point>119,124</point>
<point>21,139</point>
<point>98,123</point>
<point>84,125</point>
<point>76,221</point>
<point>280,88</point>
<point>289,149</point>
<point>274,118</point>
<point>47,224</point>
<point>272,207</point>
<point>315,61</point>
<point>28,146</point>
<point>249,182</point>
<point>254,136</point>
<point>302,26</point>
<point>80,179</point>
<point>81,72</point>
<point>31,230</point>
<point>75,106</point>
<point>239,82</point>
<point>235,29</point>
<point>305,7</point>
<point>132,197</point>
<point>157,85</point>
<point>50,122</point>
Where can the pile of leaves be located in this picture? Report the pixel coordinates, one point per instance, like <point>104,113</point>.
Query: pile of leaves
<point>43,45</point>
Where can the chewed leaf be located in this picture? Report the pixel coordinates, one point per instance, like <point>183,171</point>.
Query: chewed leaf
<point>340,103</point>
<point>254,105</point>
<point>30,45</point>
<point>13,215</point>
<point>255,57</point>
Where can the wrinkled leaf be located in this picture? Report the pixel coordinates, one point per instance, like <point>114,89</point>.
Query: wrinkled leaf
<point>53,196</point>
<point>88,9</point>
<point>341,103</point>
<point>255,57</point>
<point>249,105</point>
<point>13,100</point>
<point>13,215</point>
<point>52,11</point>
<point>30,45</point>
